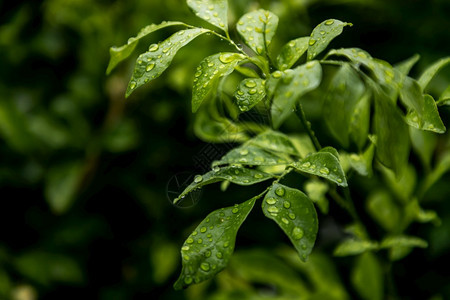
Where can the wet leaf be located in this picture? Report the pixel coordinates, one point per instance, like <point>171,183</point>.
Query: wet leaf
<point>431,71</point>
<point>250,92</point>
<point>274,141</point>
<point>237,175</point>
<point>354,247</point>
<point>367,277</point>
<point>157,59</point>
<point>294,84</point>
<point>294,212</point>
<point>291,53</point>
<point>428,118</point>
<point>214,12</point>
<point>322,164</point>
<point>257,28</point>
<point>118,54</point>
<point>209,247</point>
<point>392,147</point>
<point>323,34</point>
<point>251,156</point>
<point>208,74</point>
<point>340,106</point>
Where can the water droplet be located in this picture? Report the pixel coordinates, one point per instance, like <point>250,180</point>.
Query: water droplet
<point>221,24</point>
<point>304,247</point>
<point>132,85</point>
<point>285,221</point>
<point>209,235</point>
<point>310,64</point>
<point>216,169</point>
<point>153,47</point>
<point>339,180</point>
<point>198,178</point>
<point>250,84</point>
<point>277,74</point>
<point>297,233</point>
<point>207,253</point>
<point>204,266</point>
<point>273,209</point>
<point>280,191</point>
<point>287,204</point>
<point>329,22</point>
<point>305,82</point>
<point>199,241</point>
<point>259,49</point>
<point>291,216</point>
<point>312,42</point>
<point>322,32</point>
<point>226,244</point>
<point>235,210</point>
<point>203,229</point>
<point>243,152</point>
<point>194,233</point>
<point>258,176</point>
<point>149,67</point>
<point>185,248</point>
<point>219,254</point>
<point>215,14</point>
<point>241,22</point>
<point>188,280</point>
<point>226,58</point>
<point>324,171</point>
<point>190,240</point>
<point>259,158</point>
<point>271,201</point>
<point>210,64</point>
<point>306,164</point>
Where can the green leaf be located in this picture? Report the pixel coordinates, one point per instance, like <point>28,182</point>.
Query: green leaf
<point>303,144</point>
<point>291,53</point>
<point>354,246</point>
<point>294,84</point>
<point>422,110</point>
<point>367,277</point>
<point>209,247</point>
<point>118,54</point>
<point>316,191</point>
<point>431,71</point>
<point>157,59</point>
<point>272,84</point>
<point>402,184</point>
<point>322,164</point>
<point>424,144</point>
<point>444,99</point>
<point>250,92</point>
<point>208,74</point>
<point>405,66</point>
<point>401,245</point>
<point>274,141</point>
<point>62,185</point>
<point>362,163</point>
<point>294,212</point>
<point>257,28</point>
<point>428,118</point>
<point>237,175</point>
<point>343,95</point>
<point>360,120</point>
<point>251,156</point>
<point>384,210</point>
<point>323,34</point>
<point>214,12</point>
<point>392,147</point>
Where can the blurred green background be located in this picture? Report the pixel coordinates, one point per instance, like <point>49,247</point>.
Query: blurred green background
<point>84,212</point>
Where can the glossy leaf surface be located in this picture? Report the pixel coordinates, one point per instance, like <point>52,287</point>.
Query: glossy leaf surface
<point>294,212</point>
<point>291,53</point>
<point>250,92</point>
<point>251,156</point>
<point>209,247</point>
<point>214,12</point>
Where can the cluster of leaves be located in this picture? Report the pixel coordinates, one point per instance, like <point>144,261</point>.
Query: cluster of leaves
<point>374,110</point>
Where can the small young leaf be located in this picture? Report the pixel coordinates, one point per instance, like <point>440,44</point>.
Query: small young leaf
<point>323,34</point>
<point>392,147</point>
<point>214,12</point>
<point>275,142</point>
<point>157,59</point>
<point>291,52</point>
<point>344,93</point>
<point>354,247</point>
<point>384,210</point>
<point>208,74</point>
<point>367,277</point>
<point>251,156</point>
<point>401,245</point>
<point>294,212</point>
<point>405,66</point>
<point>431,71</point>
<point>316,190</point>
<point>294,84</point>
<point>257,28</point>
<point>322,164</point>
<point>119,54</point>
<point>237,175</point>
<point>209,247</point>
<point>250,92</point>
<point>428,119</point>
<point>362,163</point>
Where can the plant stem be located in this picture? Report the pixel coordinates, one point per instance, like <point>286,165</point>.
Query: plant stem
<point>301,115</point>
<point>227,38</point>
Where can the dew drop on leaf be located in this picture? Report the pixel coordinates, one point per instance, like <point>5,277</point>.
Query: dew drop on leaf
<point>280,191</point>
<point>297,233</point>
